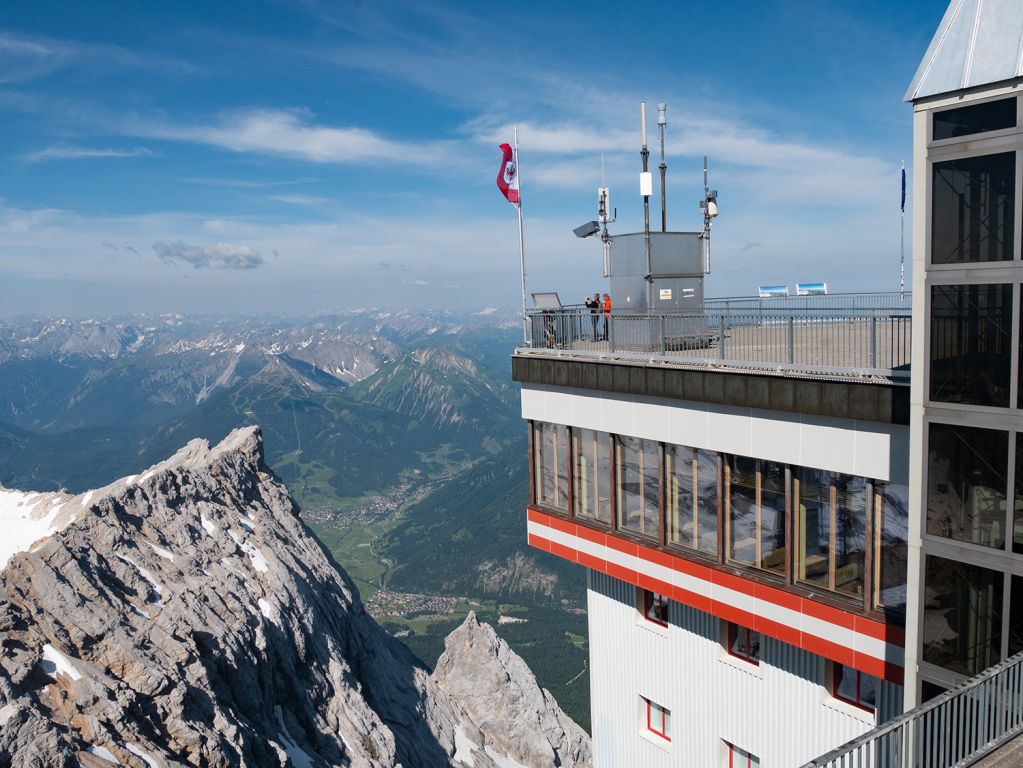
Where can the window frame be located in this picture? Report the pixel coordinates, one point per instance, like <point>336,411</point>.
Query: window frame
<point>732,634</point>
<point>651,601</point>
<point>757,541</point>
<point>836,679</point>
<point>665,717</point>
<point>749,757</point>
<point>837,484</point>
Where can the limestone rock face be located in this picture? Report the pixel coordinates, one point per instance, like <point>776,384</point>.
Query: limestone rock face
<point>187,617</point>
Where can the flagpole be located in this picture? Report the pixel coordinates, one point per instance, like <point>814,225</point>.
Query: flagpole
<point>522,250</point>
<point>902,240</point>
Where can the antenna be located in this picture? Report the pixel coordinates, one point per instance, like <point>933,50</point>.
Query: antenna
<point>605,216</point>
<point>646,188</point>
<point>662,124</point>
<point>709,206</point>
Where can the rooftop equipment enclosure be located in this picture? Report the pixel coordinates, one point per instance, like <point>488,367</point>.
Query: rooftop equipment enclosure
<point>676,266</point>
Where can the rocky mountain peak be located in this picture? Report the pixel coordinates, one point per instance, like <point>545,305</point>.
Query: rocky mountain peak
<point>186,616</point>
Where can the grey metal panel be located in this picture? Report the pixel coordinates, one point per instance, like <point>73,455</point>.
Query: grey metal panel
<point>889,702</point>
<point>676,264</point>
<point>977,43</point>
<point>793,660</point>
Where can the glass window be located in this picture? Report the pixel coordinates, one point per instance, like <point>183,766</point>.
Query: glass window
<point>854,686</point>
<point>971,332</point>
<point>832,523</point>
<point>744,643</point>
<point>972,215</point>
<point>962,628</point>
<point>592,477</point>
<point>1016,615</point>
<point>891,532</point>
<point>1017,518</point>
<point>740,758</point>
<point>755,512</point>
<point>550,465</point>
<point>966,483</point>
<point>639,473</point>
<point>655,607</point>
<point>658,719</point>
<point>978,118</point>
<point>692,498</point>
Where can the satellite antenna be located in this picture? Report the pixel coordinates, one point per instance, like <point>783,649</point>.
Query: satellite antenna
<point>709,207</point>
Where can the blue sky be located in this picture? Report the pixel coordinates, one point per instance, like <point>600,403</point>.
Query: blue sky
<point>310,156</point>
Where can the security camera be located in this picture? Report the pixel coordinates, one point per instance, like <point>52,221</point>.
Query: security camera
<point>587,229</point>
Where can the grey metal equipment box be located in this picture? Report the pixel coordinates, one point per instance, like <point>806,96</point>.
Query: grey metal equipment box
<point>676,266</point>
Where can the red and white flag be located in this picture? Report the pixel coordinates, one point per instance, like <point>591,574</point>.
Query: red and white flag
<point>508,176</point>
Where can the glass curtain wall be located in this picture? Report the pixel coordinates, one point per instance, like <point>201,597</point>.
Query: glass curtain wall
<point>832,527</point>
<point>592,477</point>
<point>638,470</point>
<point>971,343</point>
<point>972,219</point>
<point>967,470</point>
<point>550,465</point>
<point>962,628</point>
<point>693,492</point>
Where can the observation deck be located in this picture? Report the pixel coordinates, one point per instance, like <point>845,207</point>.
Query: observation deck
<point>843,337</point>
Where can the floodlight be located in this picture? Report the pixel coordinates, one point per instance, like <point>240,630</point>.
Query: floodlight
<point>588,229</point>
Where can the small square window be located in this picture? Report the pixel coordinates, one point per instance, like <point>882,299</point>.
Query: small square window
<point>658,719</point>
<point>739,758</point>
<point>854,687</point>
<point>655,607</point>
<point>744,643</point>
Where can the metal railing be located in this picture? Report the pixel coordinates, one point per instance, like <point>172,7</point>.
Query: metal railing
<point>953,730</point>
<point>832,302</point>
<point>869,343</point>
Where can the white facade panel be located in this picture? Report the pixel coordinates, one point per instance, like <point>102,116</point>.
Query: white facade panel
<point>779,710</point>
<point>867,449</point>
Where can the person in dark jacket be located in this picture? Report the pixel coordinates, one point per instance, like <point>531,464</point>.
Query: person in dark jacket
<point>593,304</point>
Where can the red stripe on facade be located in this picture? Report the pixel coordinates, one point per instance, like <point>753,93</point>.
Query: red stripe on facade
<point>793,636</point>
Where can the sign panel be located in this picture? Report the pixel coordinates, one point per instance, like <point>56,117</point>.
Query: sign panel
<point>665,294</point>
<point>811,289</point>
<point>770,291</point>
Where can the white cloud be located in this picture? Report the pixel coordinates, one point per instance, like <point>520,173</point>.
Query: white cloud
<point>216,256</point>
<point>291,133</point>
<point>79,153</point>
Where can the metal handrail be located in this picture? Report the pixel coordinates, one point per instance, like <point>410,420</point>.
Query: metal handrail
<point>952,730</point>
<point>869,343</point>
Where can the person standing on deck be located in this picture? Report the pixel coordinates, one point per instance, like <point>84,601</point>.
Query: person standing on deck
<point>607,315</point>
<point>593,304</point>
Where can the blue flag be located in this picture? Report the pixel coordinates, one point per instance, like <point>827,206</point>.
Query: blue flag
<point>903,186</point>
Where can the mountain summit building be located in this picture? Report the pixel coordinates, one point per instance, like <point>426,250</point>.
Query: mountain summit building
<point>788,541</point>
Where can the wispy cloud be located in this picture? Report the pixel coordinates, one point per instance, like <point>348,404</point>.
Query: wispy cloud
<point>247,183</point>
<point>29,57</point>
<point>305,200</point>
<point>292,133</point>
<point>84,153</point>
<point>216,256</point>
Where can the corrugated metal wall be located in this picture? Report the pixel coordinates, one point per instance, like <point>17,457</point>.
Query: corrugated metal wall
<point>779,710</point>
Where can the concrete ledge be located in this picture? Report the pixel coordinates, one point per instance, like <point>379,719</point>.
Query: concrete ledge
<point>881,402</point>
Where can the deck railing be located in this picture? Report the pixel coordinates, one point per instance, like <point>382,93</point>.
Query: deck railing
<point>864,342</point>
<point>952,730</point>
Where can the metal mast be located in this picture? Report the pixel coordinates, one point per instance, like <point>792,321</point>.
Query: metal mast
<point>662,124</point>
<point>646,189</point>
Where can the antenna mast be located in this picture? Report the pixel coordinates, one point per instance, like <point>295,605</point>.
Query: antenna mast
<point>709,206</point>
<point>662,124</point>
<point>646,188</point>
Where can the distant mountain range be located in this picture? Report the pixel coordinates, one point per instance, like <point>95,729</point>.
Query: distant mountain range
<point>351,406</point>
